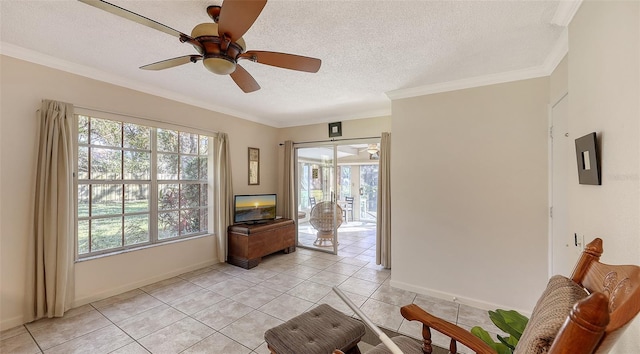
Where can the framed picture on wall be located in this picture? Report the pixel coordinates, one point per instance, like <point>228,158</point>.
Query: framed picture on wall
<point>254,166</point>
<point>587,159</point>
<point>335,129</point>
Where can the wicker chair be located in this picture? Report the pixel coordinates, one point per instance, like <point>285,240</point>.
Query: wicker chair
<point>322,218</point>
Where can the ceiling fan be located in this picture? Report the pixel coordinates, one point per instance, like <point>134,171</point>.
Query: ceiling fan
<point>220,44</point>
<point>371,149</point>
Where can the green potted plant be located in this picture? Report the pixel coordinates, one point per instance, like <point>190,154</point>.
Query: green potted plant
<point>510,322</point>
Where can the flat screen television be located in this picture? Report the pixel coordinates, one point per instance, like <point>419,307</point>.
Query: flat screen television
<point>254,208</point>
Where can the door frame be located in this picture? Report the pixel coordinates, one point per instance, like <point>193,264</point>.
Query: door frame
<point>334,145</point>
<point>570,251</point>
<point>296,174</point>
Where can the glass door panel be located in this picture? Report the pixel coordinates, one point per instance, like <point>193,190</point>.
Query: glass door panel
<point>367,208</point>
<point>316,198</point>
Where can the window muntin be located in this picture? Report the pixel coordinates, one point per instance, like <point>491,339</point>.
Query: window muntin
<point>121,167</point>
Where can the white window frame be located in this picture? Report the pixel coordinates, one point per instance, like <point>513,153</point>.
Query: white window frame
<point>153,183</point>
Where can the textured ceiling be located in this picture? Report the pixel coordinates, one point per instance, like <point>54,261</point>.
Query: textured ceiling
<point>368,49</point>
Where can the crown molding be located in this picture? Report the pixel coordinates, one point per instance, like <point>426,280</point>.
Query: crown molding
<point>21,53</point>
<point>559,50</point>
<point>565,12</point>
<point>557,53</point>
<point>382,112</point>
<point>477,81</point>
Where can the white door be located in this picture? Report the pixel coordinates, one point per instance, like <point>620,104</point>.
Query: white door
<point>562,244</point>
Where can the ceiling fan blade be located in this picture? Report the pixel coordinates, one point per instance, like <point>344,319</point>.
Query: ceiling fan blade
<point>284,60</point>
<point>244,80</point>
<point>117,10</point>
<point>237,16</point>
<point>170,63</point>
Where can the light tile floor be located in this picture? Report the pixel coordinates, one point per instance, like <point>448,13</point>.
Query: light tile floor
<point>227,309</point>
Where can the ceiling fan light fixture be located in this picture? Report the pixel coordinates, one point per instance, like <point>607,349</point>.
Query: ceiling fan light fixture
<point>211,30</point>
<point>220,66</point>
<point>372,148</point>
<point>205,29</point>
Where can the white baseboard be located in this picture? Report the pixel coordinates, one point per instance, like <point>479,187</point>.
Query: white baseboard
<point>134,285</point>
<point>484,305</point>
<point>20,320</point>
<point>11,322</point>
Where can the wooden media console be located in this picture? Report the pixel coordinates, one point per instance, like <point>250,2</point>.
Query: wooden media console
<point>248,243</point>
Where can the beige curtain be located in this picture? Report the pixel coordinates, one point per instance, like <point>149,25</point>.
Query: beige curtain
<point>288,195</point>
<point>50,279</point>
<point>383,230</point>
<point>223,193</point>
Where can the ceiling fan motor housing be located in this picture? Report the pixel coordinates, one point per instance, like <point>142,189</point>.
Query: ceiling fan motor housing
<point>220,56</point>
<point>214,12</point>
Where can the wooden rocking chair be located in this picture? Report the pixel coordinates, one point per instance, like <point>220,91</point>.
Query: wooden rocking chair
<point>593,324</point>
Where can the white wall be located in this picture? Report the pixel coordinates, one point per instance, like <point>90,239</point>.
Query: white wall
<point>469,194</point>
<point>604,89</point>
<point>23,86</point>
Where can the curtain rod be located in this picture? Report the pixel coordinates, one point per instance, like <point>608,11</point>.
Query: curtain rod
<point>143,118</point>
<point>330,140</point>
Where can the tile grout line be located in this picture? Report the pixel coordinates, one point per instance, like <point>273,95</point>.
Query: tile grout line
<point>186,316</point>
<point>299,260</point>
<point>33,338</point>
<point>118,327</point>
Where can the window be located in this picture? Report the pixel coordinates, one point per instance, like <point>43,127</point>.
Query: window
<point>139,185</point>
<point>345,180</point>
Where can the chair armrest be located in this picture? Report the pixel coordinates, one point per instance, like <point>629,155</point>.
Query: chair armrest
<point>584,327</point>
<point>457,334</point>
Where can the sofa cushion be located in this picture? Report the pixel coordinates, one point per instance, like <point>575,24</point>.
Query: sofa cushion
<point>549,314</point>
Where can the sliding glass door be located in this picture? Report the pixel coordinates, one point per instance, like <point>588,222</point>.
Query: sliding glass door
<point>368,192</point>
<point>336,194</point>
<point>319,216</point>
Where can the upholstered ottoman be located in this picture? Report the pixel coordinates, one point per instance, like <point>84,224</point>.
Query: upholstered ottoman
<point>317,331</point>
